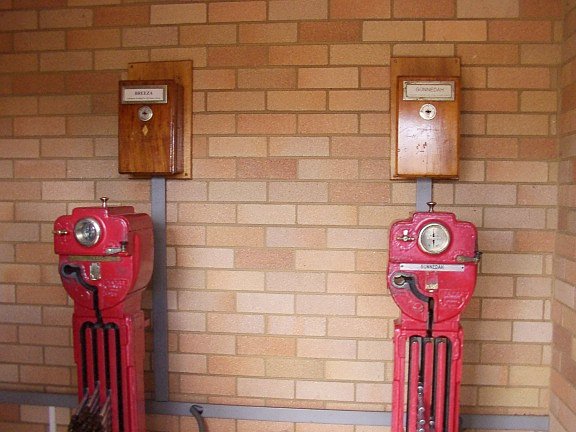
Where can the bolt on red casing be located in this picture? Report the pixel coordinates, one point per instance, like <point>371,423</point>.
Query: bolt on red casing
<point>432,269</point>
<point>105,262</point>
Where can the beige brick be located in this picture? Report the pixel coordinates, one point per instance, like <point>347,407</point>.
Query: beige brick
<point>305,192</point>
<point>35,335</point>
<point>512,264</point>
<point>269,388</point>
<point>515,309</point>
<point>21,354</point>
<point>258,168</point>
<point>11,63</point>
<point>237,146</point>
<point>343,238</point>
<point>19,20</point>
<point>274,124</point>
<point>206,301</point>
<point>178,14</point>
<point>538,101</point>
<point>298,55</point>
<point>325,390</point>
<point>520,31</point>
<point>488,330</point>
<point>233,12</point>
<point>45,375</point>
<point>39,126</point>
<point>358,100</point>
<point>265,214</point>
<point>338,77</point>
<point>517,172</point>
<point>324,260</point>
<point>393,31</point>
<point>214,34</point>
<point>532,332</point>
<point>267,78</point>
<point>66,18</point>
<point>265,303</point>
<point>485,194</point>
<point>40,41</point>
<point>517,124</point>
<point>206,213</point>
<point>348,9</point>
<point>296,237</point>
<point>531,218</point>
<point>299,146</point>
<point>207,343</point>
<point>327,215</point>
<point>373,393</point>
<point>367,328</point>
<point>315,169</point>
<point>295,282</point>
<point>268,33</point>
<point>186,321</point>
<point>508,397</point>
<point>235,280</point>
<point>296,326</point>
<point>461,31</point>
<point>118,59</point>
<point>215,385</point>
<point>425,49</point>
<point>190,363</point>
<point>487,9</point>
<point>205,257</point>
<point>237,191</point>
<point>235,236</point>
<point>297,10</point>
<point>235,101</point>
<point>294,368</point>
<point>358,283</point>
<point>485,375</point>
<point>330,31</point>
<point>422,9</point>
<point>363,54</point>
<point>519,77</point>
<point>322,304</point>
<point>530,376</point>
<point>541,54</point>
<point>214,168</point>
<point>354,371</point>
<point>238,366</point>
<point>267,346</point>
<point>296,100</point>
<point>234,323</point>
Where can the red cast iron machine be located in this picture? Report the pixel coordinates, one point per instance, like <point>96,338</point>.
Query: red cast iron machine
<point>106,259</point>
<point>432,267</point>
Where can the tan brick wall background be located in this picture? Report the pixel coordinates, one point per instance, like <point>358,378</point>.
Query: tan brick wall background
<point>563,378</point>
<point>277,249</point>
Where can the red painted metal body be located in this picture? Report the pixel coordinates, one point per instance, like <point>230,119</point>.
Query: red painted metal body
<point>431,290</point>
<point>106,282</point>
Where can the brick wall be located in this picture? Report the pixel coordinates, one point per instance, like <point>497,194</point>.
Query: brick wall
<point>277,248</point>
<point>562,408</point>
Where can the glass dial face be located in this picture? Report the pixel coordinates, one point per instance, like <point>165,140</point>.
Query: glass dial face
<point>87,231</point>
<point>434,238</point>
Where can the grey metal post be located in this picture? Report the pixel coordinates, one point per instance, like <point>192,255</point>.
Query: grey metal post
<point>159,290</point>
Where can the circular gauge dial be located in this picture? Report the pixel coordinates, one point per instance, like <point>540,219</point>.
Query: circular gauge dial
<point>434,238</point>
<point>87,231</point>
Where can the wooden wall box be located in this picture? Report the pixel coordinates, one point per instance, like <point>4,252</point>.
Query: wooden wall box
<point>150,127</point>
<point>425,110</point>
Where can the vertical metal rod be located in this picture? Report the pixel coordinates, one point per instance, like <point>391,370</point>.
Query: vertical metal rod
<point>159,290</point>
<point>423,193</point>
